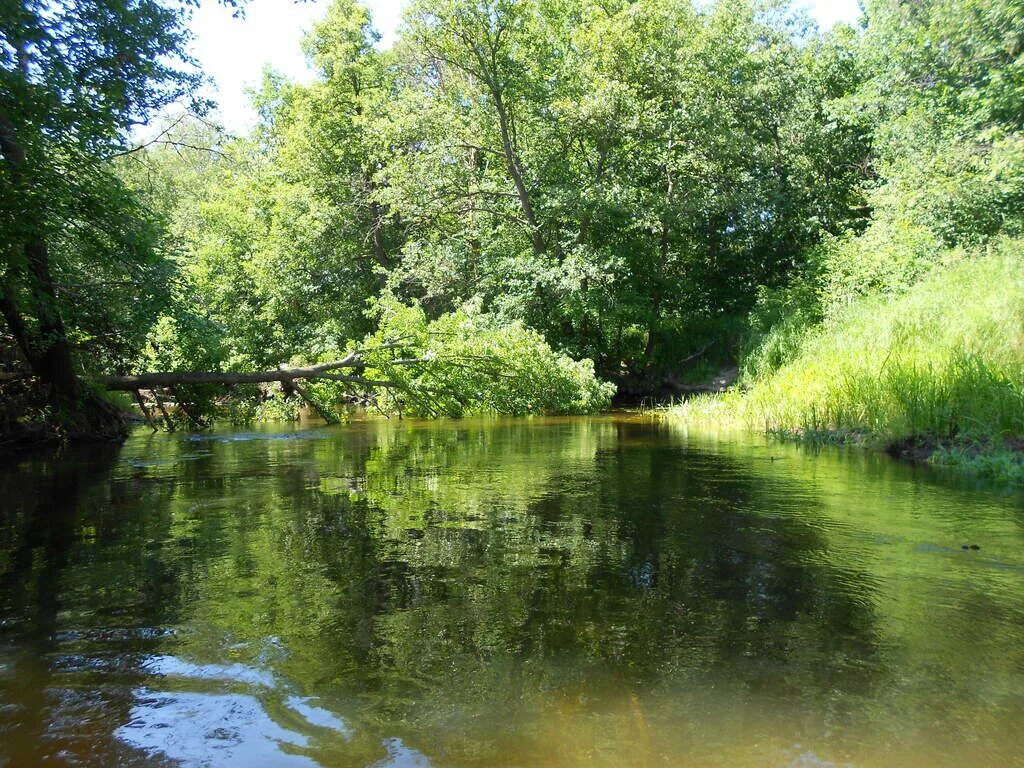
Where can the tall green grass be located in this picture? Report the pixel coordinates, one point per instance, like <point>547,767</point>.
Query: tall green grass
<point>941,363</point>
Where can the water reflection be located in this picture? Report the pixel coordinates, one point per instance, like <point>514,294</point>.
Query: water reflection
<point>205,729</point>
<point>543,593</point>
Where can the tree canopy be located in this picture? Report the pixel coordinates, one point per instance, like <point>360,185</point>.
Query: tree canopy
<point>627,179</point>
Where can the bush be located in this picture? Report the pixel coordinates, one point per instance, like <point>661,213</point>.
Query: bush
<point>888,258</point>
<point>467,362</point>
<point>777,326</point>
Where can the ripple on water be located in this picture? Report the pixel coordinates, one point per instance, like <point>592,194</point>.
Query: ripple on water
<point>401,756</point>
<point>318,716</point>
<point>169,461</point>
<point>172,666</point>
<point>245,437</point>
<point>207,729</point>
<point>229,730</point>
<point>221,728</point>
<point>196,729</point>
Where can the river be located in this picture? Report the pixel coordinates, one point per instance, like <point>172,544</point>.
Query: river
<point>607,591</point>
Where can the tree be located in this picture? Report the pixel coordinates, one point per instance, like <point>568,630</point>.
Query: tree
<point>623,177</point>
<point>74,79</point>
<point>619,175</point>
<point>944,105</point>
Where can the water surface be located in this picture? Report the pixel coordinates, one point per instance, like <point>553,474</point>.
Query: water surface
<point>530,593</point>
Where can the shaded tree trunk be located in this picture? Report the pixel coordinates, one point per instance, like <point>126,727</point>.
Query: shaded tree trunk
<point>28,303</point>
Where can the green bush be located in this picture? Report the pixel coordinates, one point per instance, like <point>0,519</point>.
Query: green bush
<point>777,325</point>
<point>468,362</point>
<point>888,258</point>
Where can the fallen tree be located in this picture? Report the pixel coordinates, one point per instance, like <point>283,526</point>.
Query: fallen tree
<point>282,375</point>
<point>287,377</point>
<point>460,364</point>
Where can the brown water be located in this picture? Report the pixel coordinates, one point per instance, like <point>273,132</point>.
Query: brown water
<point>579,592</point>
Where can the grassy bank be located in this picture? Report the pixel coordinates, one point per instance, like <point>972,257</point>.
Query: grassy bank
<point>935,373</point>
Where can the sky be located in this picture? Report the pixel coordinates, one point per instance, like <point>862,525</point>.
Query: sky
<point>234,51</point>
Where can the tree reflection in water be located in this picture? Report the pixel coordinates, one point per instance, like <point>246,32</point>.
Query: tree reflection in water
<point>542,592</point>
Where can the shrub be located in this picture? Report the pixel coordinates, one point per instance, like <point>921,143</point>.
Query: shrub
<point>888,258</point>
<point>468,362</point>
<point>777,325</point>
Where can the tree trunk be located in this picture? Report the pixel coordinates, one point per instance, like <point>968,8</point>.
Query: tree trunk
<point>289,375</point>
<point>51,352</point>
<point>516,172</point>
<point>45,346</point>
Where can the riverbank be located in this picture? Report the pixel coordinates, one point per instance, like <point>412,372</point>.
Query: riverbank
<point>933,374</point>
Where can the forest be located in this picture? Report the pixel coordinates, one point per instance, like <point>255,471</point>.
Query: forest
<point>525,206</point>
<point>522,387</point>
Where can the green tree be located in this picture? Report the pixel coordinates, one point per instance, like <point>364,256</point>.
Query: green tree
<point>944,102</point>
<point>74,79</point>
<point>615,174</point>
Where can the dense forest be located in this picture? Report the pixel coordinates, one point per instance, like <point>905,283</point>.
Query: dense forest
<point>522,203</point>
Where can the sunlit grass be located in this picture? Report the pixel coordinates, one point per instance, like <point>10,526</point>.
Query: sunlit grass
<point>941,365</point>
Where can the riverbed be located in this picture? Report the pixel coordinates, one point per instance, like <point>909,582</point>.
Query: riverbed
<point>534,593</point>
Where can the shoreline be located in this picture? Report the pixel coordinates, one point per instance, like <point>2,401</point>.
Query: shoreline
<point>992,458</point>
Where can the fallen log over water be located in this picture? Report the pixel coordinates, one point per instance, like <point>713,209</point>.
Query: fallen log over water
<point>174,378</point>
<point>283,375</point>
<point>160,384</point>
<point>171,379</point>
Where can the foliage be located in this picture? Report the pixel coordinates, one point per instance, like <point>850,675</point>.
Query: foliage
<point>622,182</point>
<point>777,325</point>
<point>468,362</point>
<point>75,245</point>
<point>594,191</point>
<point>909,331</point>
<point>944,103</point>
<point>82,275</point>
<point>528,156</point>
<point>943,364</point>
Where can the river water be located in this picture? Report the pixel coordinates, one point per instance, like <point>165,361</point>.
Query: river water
<point>536,593</point>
